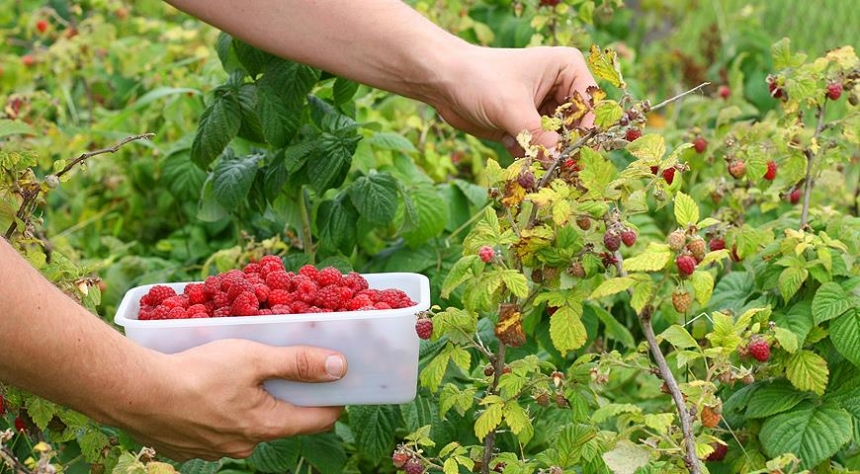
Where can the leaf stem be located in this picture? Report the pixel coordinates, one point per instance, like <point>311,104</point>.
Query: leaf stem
<point>490,440</point>
<point>810,162</point>
<point>307,238</point>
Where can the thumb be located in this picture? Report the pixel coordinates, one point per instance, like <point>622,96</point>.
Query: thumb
<point>298,363</point>
<point>526,117</point>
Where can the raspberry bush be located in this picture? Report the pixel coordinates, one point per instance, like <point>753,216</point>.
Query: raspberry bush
<point>675,290</point>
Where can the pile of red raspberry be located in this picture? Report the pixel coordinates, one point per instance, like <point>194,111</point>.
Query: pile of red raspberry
<point>266,288</point>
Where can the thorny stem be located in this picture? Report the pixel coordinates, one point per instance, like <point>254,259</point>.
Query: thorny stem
<point>810,162</point>
<point>690,459</point>
<point>31,194</point>
<point>490,440</point>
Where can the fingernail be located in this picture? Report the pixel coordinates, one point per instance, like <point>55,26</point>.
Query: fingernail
<point>334,365</point>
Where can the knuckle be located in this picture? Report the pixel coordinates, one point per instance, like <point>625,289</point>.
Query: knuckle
<point>303,366</point>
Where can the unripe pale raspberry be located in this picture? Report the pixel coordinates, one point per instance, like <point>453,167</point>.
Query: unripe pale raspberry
<point>697,248</point>
<point>677,240</point>
<point>737,169</point>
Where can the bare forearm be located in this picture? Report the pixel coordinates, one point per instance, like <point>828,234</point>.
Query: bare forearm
<point>382,43</point>
<point>55,348</point>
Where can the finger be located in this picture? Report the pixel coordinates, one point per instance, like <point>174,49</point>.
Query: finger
<point>298,363</point>
<point>290,420</point>
<point>523,115</point>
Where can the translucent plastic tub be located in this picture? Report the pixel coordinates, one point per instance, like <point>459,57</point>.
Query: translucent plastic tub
<point>381,346</point>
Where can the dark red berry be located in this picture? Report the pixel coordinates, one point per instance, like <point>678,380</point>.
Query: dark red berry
<point>413,466</point>
<point>628,237</point>
<point>612,240</point>
<point>775,91</point>
<point>759,349</point>
<point>716,244</point>
<point>399,458</point>
<point>42,26</point>
<point>700,144</point>
<point>794,196</point>
<point>584,222</point>
<point>19,424</point>
<point>424,328</point>
<point>686,265</point>
<point>526,179</point>
<point>632,134</point>
<point>669,175</point>
<point>834,90</point>
<point>724,91</point>
<point>549,3</point>
<point>719,453</point>
<point>770,175</point>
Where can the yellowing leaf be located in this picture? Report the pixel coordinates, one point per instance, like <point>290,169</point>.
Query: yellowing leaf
<point>807,370</point>
<point>605,66</point>
<point>653,259</point>
<point>686,210</point>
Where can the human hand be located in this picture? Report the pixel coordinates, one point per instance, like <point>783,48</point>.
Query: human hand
<point>212,403</point>
<point>497,93</point>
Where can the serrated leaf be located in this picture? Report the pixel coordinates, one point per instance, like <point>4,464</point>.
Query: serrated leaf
<point>375,197</point>
<point>790,281</point>
<point>336,222</point>
<point>13,127</point>
<point>41,411</point>
<point>184,179</point>
<point>830,302</point>
<point>566,329</point>
<point>614,329</point>
<point>659,422</point>
<point>686,210</point>
<point>605,65</point>
<point>845,335</point>
<point>648,148</point>
<point>343,90</point>
<point>275,456</point>
<point>432,215</point>
<point>92,442</point>
<point>703,284</point>
<point>279,118</point>
<point>612,286</point>
<point>653,259</point>
<point>812,432</point>
<point>391,141</point>
<point>807,370</point>
<point>641,295</point>
<point>325,452</point>
<point>626,458</point>
<point>489,420</point>
<point>597,172</point>
<point>515,282</point>
<point>219,124</point>
<point>518,421</point>
<point>333,156</point>
<point>232,179</point>
<point>374,426</point>
<point>787,339</point>
<point>606,113</point>
<point>773,398</point>
<point>678,337</point>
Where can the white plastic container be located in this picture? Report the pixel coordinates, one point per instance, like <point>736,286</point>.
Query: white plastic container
<point>381,346</point>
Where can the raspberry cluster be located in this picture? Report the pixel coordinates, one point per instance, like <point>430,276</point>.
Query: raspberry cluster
<point>266,288</point>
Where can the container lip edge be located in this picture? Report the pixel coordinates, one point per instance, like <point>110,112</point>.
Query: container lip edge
<point>120,318</point>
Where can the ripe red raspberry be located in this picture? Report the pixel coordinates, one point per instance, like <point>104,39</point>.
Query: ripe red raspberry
<point>720,451</point>
<point>399,458</point>
<point>358,301</point>
<point>196,293</point>
<point>212,285</point>
<point>262,292</point>
<point>612,240</point>
<point>281,297</point>
<point>245,304</point>
<point>309,271</point>
<point>487,254</point>
<point>317,309</point>
<point>329,276</point>
<point>395,298</point>
<point>222,312</point>
<point>737,169</point>
<point>42,26</point>
<point>265,312</point>
<point>669,175</point>
<point>2,405</point>
<point>759,349</point>
<point>221,300</point>
<point>355,281</point>
<point>686,265</point>
<point>381,305</point>
<point>834,90</point>
<point>632,134</point>
<point>279,280</point>
<point>414,465</point>
<point>424,328</point>
<point>269,267</point>
<point>299,307</point>
<point>197,308</point>
<point>330,297</point>
<point>238,287</point>
<point>281,309</point>
<point>700,144</point>
<point>20,426</point>
<point>177,313</point>
<point>159,312</point>
<point>178,301</point>
<point>251,268</point>
<point>145,313</point>
<point>654,170</point>
<point>306,289</point>
<point>795,195</point>
<point>724,91</point>
<point>716,244</point>
<point>272,260</point>
<point>572,164</point>
<point>628,237</point>
<point>770,175</point>
<point>157,294</point>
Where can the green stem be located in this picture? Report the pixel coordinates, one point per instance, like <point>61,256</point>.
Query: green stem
<point>307,238</point>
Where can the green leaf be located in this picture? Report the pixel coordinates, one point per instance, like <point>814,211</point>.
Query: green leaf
<point>292,81</point>
<point>92,442</point>
<point>566,329</point>
<point>606,113</point>
<point>420,412</point>
<point>13,127</point>
<point>703,284</point>
<point>518,421</point>
<point>41,411</point>
<point>332,160</point>
<point>183,178</point>
<point>343,90</point>
<point>686,210</point>
<point>845,335</point>
<point>232,179</point>
<point>375,197</point>
<point>324,452</point>
<point>490,419</point>
<point>199,466</point>
<point>807,371</point>
<point>432,213</point>
<point>374,427</point>
<point>648,148</point>
<point>732,291</point>
<point>219,124</point>
<point>626,458</point>
<point>515,282</point>
<point>252,59</point>
<point>811,432</point>
<point>787,339</point>
<point>597,172</point>
<point>279,119</point>
<point>391,141</point>
<point>798,319</point>
<point>336,222</point>
<point>678,337</point>
<point>275,456</point>
<point>612,286</point>
<point>614,329</point>
<point>773,398</point>
<point>653,259</point>
<point>830,302</point>
<point>463,270</point>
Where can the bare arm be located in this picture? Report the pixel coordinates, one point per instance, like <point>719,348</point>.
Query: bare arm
<point>488,92</point>
<point>53,347</point>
